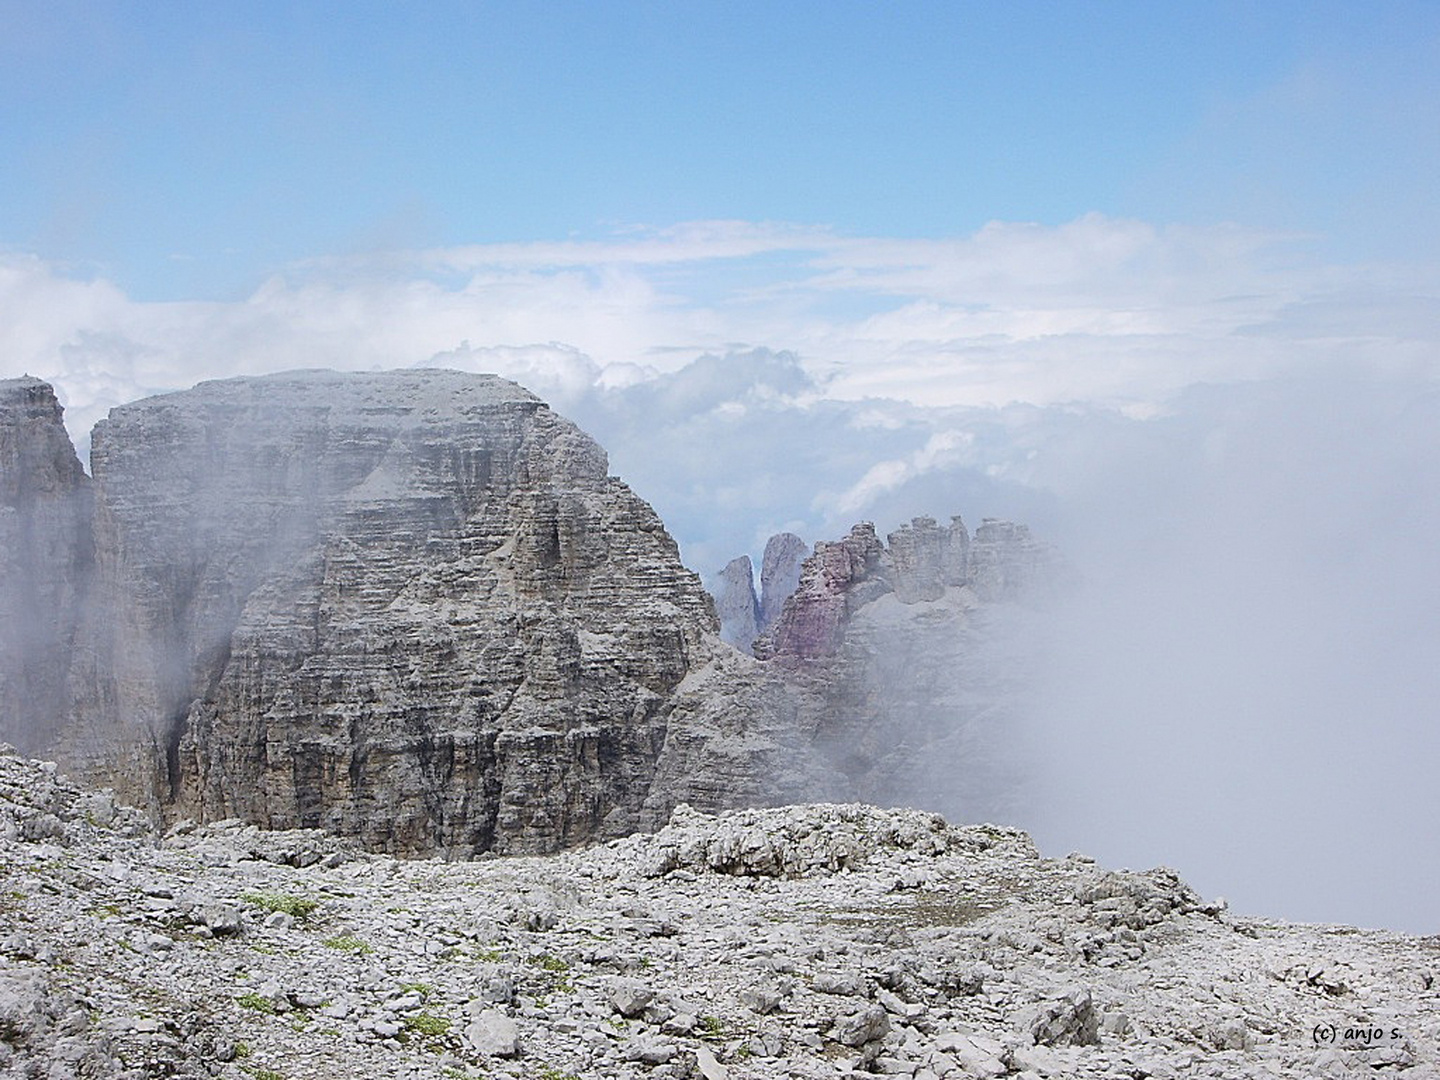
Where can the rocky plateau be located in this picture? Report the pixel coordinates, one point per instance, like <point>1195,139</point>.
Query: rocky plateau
<point>814,941</point>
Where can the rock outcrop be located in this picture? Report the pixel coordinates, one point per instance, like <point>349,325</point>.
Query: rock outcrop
<point>923,560</point>
<point>785,554</point>
<point>736,605</point>
<point>410,607</point>
<point>744,616</point>
<point>44,560</point>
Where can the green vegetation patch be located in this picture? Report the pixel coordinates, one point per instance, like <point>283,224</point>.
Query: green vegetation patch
<point>252,1000</point>
<point>349,943</point>
<point>427,1024</point>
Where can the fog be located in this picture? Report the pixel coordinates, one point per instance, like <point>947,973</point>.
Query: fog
<point>1245,684</point>
<point>1246,687</point>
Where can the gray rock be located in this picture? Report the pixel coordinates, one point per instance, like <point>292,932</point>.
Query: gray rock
<point>45,562</point>
<point>710,1069</point>
<point>735,603</point>
<point>760,999</point>
<point>369,993</point>
<point>498,986</point>
<point>862,1026</point>
<point>921,653</point>
<point>493,1034</point>
<point>651,1051</point>
<point>1069,1020</point>
<point>222,919</point>
<point>780,566</point>
<point>843,983</point>
<point>454,629</point>
<point>628,997</point>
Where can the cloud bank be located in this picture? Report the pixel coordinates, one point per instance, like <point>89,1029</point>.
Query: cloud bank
<point>1099,310</point>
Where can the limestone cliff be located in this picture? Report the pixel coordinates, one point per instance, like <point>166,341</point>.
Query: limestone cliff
<point>414,608</point>
<point>744,616</point>
<point>410,607</point>
<point>736,604</point>
<point>44,560</point>
<point>785,554</point>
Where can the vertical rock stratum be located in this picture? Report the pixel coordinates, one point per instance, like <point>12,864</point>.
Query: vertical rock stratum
<point>411,607</point>
<point>44,560</point>
<point>736,604</point>
<point>785,553</point>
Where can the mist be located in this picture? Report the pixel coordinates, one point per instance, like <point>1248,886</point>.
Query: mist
<point>1245,687</point>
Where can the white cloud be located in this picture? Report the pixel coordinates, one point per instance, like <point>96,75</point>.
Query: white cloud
<point>1098,310</point>
<point>943,449</point>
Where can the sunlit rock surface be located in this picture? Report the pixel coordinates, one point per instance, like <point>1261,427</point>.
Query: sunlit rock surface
<point>411,607</point>
<point>44,560</point>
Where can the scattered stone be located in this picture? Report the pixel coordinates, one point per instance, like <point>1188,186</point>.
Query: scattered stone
<point>845,984</point>
<point>710,1069</point>
<point>222,920</point>
<point>629,997</point>
<point>493,1034</point>
<point>861,1027</point>
<point>415,968</point>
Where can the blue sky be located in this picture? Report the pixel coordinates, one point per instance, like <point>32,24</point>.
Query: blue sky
<point>188,151</point>
<point>1161,279</point>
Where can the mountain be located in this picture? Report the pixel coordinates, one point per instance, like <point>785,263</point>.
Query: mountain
<point>411,607</point>
<point>918,652</point>
<point>414,608</point>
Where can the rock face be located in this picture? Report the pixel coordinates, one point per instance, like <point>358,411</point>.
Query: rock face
<point>785,553</point>
<point>810,942</point>
<point>410,607</point>
<point>923,561</point>
<point>917,648</point>
<point>736,605</point>
<point>414,608</point>
<point>743,615</point>
<point>44,560</point>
